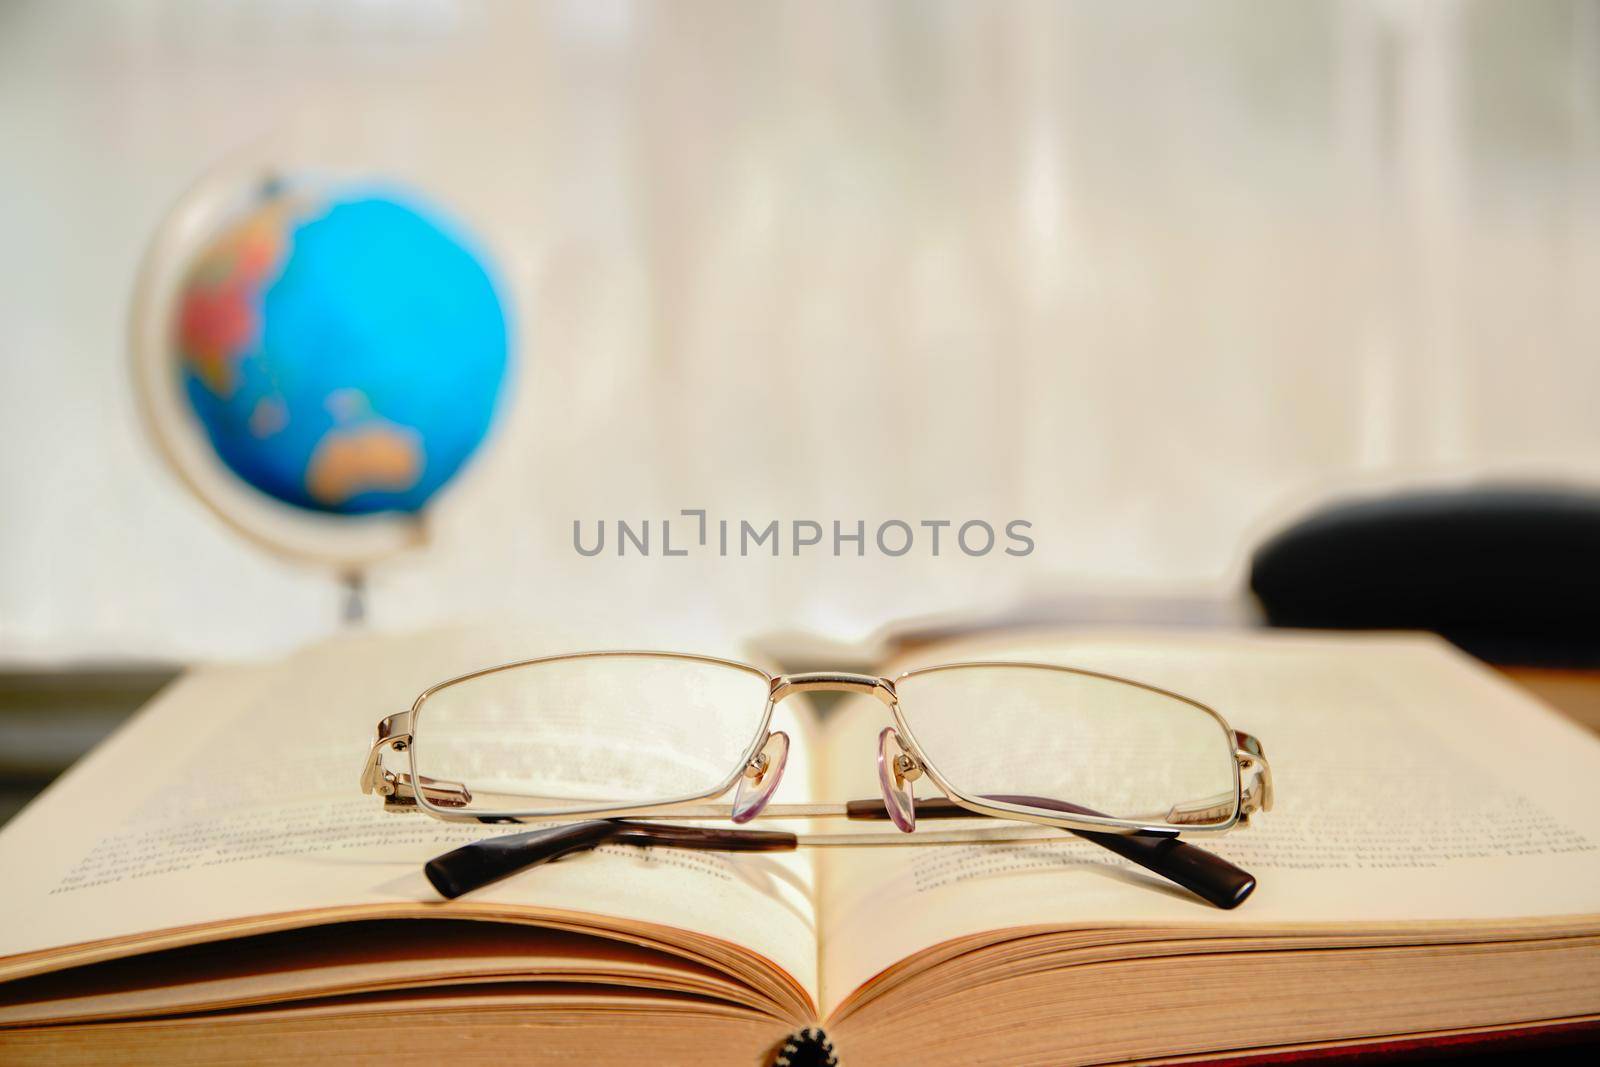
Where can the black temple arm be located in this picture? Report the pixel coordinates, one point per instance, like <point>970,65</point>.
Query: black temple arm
<point>475,865</point>
<point>1204,874</point>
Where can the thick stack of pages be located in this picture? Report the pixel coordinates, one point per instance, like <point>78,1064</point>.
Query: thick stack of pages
<point>210,885</point>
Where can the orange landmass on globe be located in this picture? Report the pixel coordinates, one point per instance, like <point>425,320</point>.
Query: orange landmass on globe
<point>372,457</point>
<point>218,317</point>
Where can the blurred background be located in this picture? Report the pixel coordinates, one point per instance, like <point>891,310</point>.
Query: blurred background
<point>1156,278</point>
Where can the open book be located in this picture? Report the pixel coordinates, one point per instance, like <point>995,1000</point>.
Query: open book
<point>210,884</point>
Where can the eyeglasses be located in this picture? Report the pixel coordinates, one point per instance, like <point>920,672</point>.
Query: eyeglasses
<point>596,741</point>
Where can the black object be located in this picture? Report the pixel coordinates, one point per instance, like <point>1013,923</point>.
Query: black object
<point>806,1048</point>
<point>1510,574</point>
<point>475,865</point>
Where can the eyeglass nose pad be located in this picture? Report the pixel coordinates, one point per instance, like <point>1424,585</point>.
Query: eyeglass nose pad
<point>896,771</point>
<point>761,777</point>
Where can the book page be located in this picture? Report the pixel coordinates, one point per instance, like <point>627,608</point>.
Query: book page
<point>1412,785</point>
<point>235,796</point>
<point>349,958</point>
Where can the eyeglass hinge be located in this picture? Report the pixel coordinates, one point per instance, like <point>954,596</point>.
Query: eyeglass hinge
<point>394,733</point>
<point>394,726</point>
<point>1257,792</point>
<point>400,791</point>
<point>396,792</point>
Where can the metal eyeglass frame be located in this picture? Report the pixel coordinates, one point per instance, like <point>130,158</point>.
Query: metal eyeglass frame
<point>901,761</point>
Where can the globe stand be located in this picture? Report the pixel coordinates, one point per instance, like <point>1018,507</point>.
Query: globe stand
<point>355,597</point>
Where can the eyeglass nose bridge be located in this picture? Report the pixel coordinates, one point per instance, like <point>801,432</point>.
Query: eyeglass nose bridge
<point>832,681</point>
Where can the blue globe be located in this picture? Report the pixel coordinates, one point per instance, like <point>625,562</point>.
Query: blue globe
<point>343,355</point>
